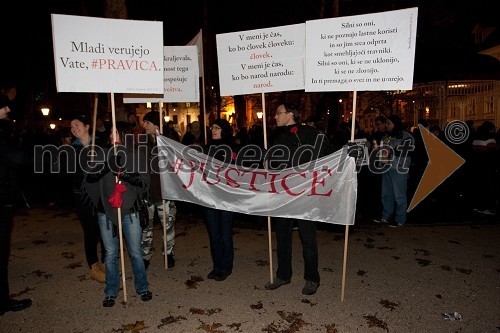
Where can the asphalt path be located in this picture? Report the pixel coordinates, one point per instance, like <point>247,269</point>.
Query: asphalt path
<point>424,277</point>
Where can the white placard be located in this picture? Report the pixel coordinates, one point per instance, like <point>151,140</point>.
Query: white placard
<point>180,78</point>
<point>364,52</point>
<point>198,41</point>
<point>107,55</point>
<point>262,60</point>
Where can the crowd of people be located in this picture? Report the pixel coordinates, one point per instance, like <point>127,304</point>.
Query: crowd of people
<point>98,190</point>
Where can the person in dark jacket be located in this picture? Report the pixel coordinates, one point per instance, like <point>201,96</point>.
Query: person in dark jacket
<point>80,127</point>
<point>9,159</point>
<point>289,136</point>
<point>220,222</point>
<point>193,135</point>
<point>484,154</point>
<point>151,124</point>
<point>128,165</point>
<point>395,176</point>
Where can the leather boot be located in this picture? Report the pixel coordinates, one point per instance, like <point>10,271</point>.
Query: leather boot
<point>97,274</point>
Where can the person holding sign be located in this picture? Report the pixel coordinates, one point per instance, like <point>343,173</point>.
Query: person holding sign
<point>289,138</point>
<point>151,124</point>
<point>220,222</point>
<point>109,196</point>
<point>80,128</point>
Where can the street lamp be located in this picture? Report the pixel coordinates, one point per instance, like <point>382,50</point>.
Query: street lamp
<point>45,112</point>
<point>259,115</point>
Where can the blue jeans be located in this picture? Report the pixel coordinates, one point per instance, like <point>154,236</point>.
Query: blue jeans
<point>307,231</point>
<point>132,232</point>
<point>220,231</point>
<point>394,196</point>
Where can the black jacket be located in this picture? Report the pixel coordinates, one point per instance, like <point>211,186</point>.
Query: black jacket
<point>10,159</point>
<point>299,144</point>
<point>100,185</point>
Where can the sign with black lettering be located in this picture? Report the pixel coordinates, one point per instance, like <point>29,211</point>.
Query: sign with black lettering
<point>263,60</point>
<point>365,52</point>
<point>107,55</point>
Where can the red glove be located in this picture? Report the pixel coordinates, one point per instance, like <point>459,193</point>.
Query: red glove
<point>116,198</point>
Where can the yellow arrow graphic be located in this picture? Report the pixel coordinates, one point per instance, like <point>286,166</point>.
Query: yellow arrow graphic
<point>443,162</point>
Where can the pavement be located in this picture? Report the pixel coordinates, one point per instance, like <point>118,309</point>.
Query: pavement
<point>427,276</point>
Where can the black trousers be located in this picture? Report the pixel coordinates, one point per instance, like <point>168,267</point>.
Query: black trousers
<point>307,231</point>
<point>91,232</point>
<point>5,230</point>
<point>220,231</point>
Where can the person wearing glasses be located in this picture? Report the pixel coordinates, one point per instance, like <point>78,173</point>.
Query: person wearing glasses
<point>219,223</point>
<point>289,136</point>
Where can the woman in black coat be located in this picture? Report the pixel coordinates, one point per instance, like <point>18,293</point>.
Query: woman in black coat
<point>220,222</point>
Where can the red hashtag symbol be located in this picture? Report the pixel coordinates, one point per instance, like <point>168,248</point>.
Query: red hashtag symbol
<point>94,64</point>
<point>177,165</point>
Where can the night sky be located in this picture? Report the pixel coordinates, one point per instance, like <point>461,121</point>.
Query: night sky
<point>444,49</point>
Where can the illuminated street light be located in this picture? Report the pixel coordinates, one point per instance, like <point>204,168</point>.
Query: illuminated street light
<point>259,115</point>
<point>52,126</point>
<point>45,111</point>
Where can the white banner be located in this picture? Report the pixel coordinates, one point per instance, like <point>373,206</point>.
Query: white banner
<point>325,192</point>
<point>364,52</point>
<point>263,60</point>
<point>198,41</point>
<point>107,55</point>
<point>180,78</point>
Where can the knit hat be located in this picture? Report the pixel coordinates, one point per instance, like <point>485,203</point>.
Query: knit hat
<point>4,101</point>
<point>227,130</point>
<point>152,117</point>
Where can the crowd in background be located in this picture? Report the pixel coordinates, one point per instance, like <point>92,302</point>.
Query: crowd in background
<point>478,177</point>
<point>382,197</point>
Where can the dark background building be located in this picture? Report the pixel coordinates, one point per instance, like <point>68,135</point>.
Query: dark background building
<point>449,40</point>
